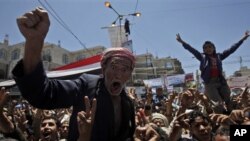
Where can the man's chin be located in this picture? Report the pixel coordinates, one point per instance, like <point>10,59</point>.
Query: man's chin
<point>115,92</point>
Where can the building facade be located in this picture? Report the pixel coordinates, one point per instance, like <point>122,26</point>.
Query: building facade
<point>244,71</point>
<point>53,56</point>
<point>149,67</point>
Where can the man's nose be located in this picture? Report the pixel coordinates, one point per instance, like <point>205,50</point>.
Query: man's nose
<point>202,127</point>
<point>158,124</point>
<point>65,128</point>
<point>47,125</point>
<point>118,72</point>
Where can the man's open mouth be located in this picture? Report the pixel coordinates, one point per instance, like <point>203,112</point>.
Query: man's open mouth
<point>47,135</point>
<point>115,87</point>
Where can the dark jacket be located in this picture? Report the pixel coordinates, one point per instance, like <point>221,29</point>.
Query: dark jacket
<point>205,61</point>
<point>45,93</point>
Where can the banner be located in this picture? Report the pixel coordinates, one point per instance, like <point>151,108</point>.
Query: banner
<point>175,79</point>
<point>128,44</point>
<point>242,81</point>
<point>157,82</point>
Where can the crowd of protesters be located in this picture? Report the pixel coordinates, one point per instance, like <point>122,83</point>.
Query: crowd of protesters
<point>188,115</point>
<point>99,108</point>
<point>23,122</point>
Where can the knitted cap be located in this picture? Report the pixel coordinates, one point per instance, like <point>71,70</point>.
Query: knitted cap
<point>160,116</point>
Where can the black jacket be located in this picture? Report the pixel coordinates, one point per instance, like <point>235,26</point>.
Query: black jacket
<point>45,93</point>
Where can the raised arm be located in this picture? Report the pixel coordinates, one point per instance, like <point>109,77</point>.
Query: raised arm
<point>192,50</point>
<point>34,26</point>
<point>234,47</point>
<point>29,74</point>
<point>246,35</point>
<point>179,39</point>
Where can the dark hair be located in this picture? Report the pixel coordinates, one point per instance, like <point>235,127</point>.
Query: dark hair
<point>147,107</point>
<point>58,124</point>
<point>208,42</point>
<point>198,113</point>
<point>223,130</point>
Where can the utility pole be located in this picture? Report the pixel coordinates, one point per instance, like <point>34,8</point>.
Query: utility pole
<point>241,62</point>
<point>122,37</point>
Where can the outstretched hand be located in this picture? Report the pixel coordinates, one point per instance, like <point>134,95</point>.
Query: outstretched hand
<point>86,120</point>
<point>178,38</point>
<point>246,35</point>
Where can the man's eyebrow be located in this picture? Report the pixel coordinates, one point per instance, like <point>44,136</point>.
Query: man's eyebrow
<point>120,63</point>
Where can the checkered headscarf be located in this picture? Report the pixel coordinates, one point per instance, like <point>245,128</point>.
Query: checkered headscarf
<point>117,52</point>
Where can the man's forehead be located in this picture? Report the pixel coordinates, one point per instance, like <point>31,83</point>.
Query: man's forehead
<point>208,45</point>
<point>199,120</point>
<point>49,120</point>
<point>120,60</point>
<point>158,119</point>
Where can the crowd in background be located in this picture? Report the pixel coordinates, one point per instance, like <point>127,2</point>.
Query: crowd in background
<point>188,115</point>
<point>101,110</point>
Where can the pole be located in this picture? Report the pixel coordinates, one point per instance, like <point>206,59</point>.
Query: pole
<point>120,24</point>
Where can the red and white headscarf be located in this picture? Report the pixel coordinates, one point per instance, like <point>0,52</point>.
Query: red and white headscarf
<point>117,52</point>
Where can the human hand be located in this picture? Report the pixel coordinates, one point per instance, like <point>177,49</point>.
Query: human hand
<point>34,25</point>
<point>37,113</point>
<point>206,102</point>
<point>169,108</point>
<point>187,99</point>
<point>246,35</point>
<point>86,120</point>
<point>142,118</point>
<point>131,93</point>
<point>3,98</point>
<point>6,126</point>
<point>203,98</point>
<point>146,133</point>
<point>143,131</point>
<point>180,122</point>
<point>221,119</point>
<point>149,95</point>
<point>20,118</point>
<point>178,38</point>
<point>245,98</point>
<point>237,116</point>
<point>171,96</point>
